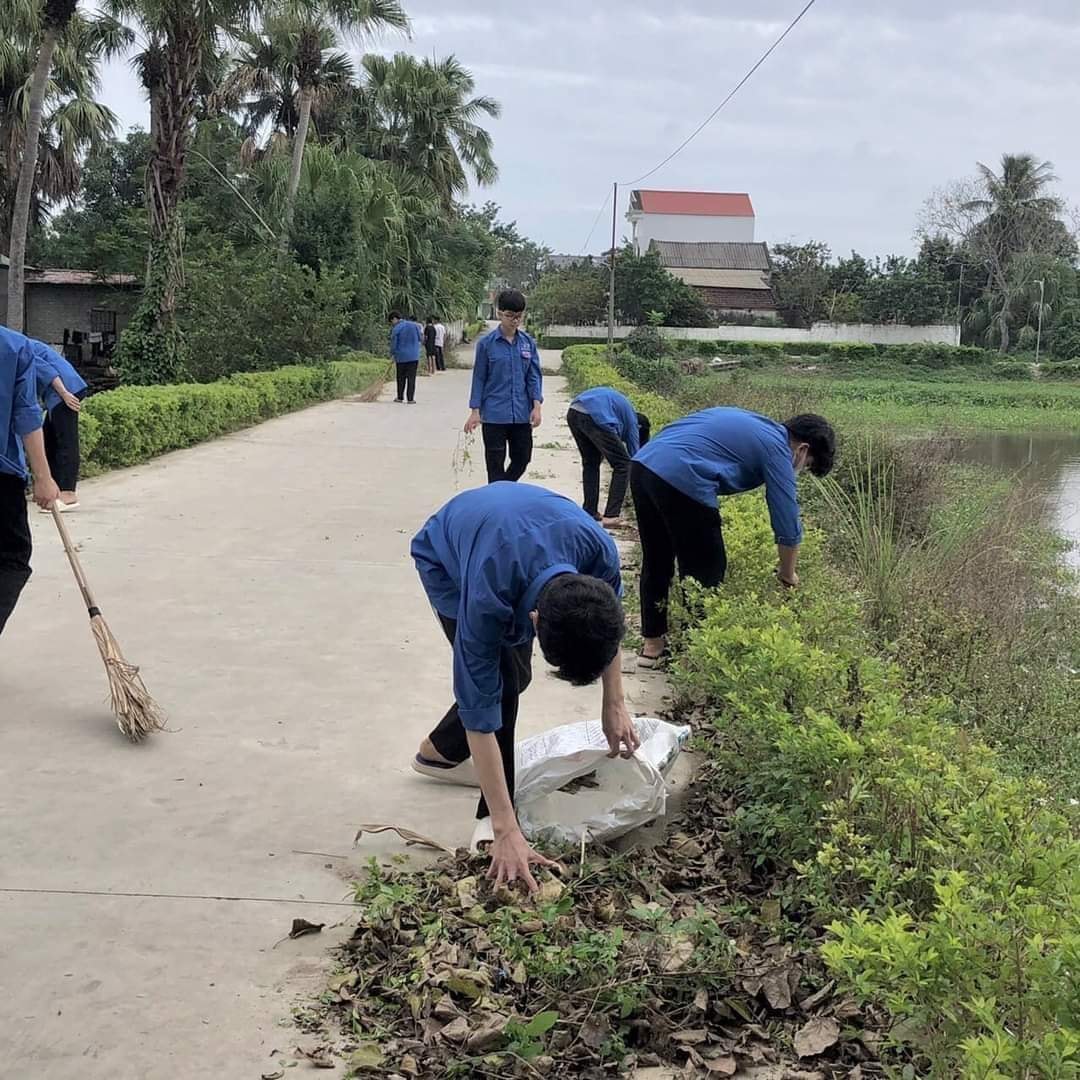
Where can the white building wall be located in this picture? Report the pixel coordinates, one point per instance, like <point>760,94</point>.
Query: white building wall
<point>943,334</point>
<point>690,228</point>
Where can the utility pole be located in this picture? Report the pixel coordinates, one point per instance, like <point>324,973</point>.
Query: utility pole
<point>959,296</point>
<point>611,272</point>
<point>1038,336</point>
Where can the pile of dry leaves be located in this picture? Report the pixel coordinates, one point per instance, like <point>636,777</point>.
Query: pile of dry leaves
<point>677,955</point>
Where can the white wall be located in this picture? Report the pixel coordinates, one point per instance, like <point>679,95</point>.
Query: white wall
<point>944,334</point>
<point>690,228</point>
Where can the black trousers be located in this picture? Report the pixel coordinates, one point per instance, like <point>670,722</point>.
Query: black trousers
<point>673,528</point>
<point>597,444</point>
<point>519,439</point>
<point>61,431</point>
<point>440,359</point>
<point>406,377</point>
<point>449,738</point>
<point>15,543</point>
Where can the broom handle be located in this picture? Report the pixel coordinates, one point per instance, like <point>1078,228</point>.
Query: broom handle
<point>84,587</point>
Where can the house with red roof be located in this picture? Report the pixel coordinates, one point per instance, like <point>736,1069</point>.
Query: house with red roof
<point>690,217</point>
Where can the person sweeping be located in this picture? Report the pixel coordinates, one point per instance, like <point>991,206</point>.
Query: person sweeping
<point>62,390</point>
<point>502,565</point>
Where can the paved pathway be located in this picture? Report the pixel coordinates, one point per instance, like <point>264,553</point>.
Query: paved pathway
<point>263,582</point>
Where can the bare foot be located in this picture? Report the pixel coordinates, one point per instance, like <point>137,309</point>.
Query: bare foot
<point>651,648</point>
<point>429,753</point>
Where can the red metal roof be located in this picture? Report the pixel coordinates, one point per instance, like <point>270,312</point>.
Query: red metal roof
<point>698,203</point>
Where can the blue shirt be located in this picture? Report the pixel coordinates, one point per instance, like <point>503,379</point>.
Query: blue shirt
<point>483,560</point>
<point>613,412</point>
<point>506,378</point>
<point>48,363</point>
<point>19,411</point>
<point>724,452</point>
<point>405,341</point>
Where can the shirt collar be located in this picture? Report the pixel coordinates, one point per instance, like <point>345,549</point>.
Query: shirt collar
<point>532,593</point>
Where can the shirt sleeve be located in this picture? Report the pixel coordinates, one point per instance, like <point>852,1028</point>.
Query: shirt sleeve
<point>25,411</point>
<point>44,372</point>
<point>630,428</point>
<point>782,498</point>
<point>479,375</point>
<point>484,620</point>
<point>534,380</point>
<point>605,564</point>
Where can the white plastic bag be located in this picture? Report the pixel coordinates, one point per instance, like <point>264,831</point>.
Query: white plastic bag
<point>622,795</point>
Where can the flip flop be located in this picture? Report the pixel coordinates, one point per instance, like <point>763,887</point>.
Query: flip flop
<point>651,663</point>
<point>463,773</point>
<point>483,835</point>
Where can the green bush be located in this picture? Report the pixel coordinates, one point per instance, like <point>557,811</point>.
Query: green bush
<point>135,423</point>
<point>646,342</point>
<point>1011,369</point>
<point>1070,369</point>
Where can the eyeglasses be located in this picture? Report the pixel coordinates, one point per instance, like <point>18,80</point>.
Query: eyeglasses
<point>513,316</point>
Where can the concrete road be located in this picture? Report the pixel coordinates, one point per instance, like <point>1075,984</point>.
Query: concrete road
<point>263,583</point>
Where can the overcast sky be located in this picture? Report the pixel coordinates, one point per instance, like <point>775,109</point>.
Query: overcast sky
<point>839,137</point>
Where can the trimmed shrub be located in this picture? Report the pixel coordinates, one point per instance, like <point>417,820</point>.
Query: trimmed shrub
<point>646,342</point>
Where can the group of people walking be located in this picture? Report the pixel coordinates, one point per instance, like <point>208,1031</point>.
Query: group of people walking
<point>510,562</point>
<point>41,395</point>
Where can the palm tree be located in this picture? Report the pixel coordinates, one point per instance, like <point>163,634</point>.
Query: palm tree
<point>1018,221</point>
<point>421,115</point>
<point>311,21</point>
<point>46,29</point>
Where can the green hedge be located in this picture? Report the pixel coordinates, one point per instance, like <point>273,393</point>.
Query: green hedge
<point>134,423</point>
<point>953,889</point>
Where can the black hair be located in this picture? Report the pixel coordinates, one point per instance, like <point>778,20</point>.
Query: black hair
<point>431,318</point>
<point>644,429</point>
<point>394,315</point>
<point>511,300</point>
<point>580,625</point>
<point>818,434</point>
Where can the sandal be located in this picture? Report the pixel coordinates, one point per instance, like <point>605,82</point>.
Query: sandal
<point>651,663</point>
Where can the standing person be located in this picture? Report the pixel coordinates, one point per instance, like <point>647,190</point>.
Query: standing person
<point>405,349</point>
<point>62,389</point>
<point>440,344</point>
<point>20,426</point>
<point>606,428</point>
<point>501,565</point>
<point>676,481</point>
<point>429,344</point>
<point>507,391</point>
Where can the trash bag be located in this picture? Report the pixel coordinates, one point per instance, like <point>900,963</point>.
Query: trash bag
<point>567,787</point>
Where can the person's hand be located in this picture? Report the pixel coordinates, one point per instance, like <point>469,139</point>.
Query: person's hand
<point>535,417</point>
<point>473,422</point>
<point>790,582</point>
<point>46,491</point>
<point>619,730</point>
<point>511,859</point>
<point>70,400</point>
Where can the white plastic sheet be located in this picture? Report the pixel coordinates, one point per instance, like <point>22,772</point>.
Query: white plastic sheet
<point>627,793</point>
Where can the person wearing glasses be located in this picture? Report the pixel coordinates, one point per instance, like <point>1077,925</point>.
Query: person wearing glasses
<point>507,391</point>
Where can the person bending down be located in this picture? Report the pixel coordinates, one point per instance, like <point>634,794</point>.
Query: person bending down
<point>606,428</point>
<point>62,389</point>
<point>676,481</point>
<point>502,565</point>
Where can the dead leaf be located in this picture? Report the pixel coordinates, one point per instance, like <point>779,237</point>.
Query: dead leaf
<point>691,1036</point>
<point>770,911</point>
<point>279,1075</point>
<point>300,927</point>
<point>408,1066</point>
<point>467,984</point>
<point>816,1036</point>
<point>701,1001</point>
<point>550,891</point>
<point>466,893</point>
<point>722,1066</point>
<point>776,984</point>
<point>367,1056</point>
<point>518,974</point>
<point>595,1032</point>
<point>814,1000</point>
<point>488,1035</point>
<point>445,1009</point>
<point>412,839</point>
<point>319,1057</point>
<point>456,1031</point>
<point>677,956</point>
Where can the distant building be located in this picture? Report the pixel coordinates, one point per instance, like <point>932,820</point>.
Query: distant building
<point>564,262</point>
<point>731,277</point>
<point>690,216</point>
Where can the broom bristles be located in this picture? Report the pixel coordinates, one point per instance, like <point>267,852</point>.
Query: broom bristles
<point>137,713</point>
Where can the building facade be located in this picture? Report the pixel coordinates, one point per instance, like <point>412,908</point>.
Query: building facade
<point>690,217</point>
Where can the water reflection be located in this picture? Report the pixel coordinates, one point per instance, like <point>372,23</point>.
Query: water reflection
<point>1050,461</point>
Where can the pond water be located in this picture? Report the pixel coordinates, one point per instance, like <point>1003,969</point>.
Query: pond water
<point>1051,462</point>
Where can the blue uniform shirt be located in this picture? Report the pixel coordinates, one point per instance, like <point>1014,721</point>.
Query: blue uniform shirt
<point>613,412</point>
<point>48,363</point>
<point>405,341</point>
<point>506,378</point>
<point>483,559</point>
<point>724,452</point>
<point>19,411</point>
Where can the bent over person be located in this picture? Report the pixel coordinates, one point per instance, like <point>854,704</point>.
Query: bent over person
<point>501,565</point>
<point>62,389</point>
<point>677,479</point>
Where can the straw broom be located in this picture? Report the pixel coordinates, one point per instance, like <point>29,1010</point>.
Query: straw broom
<point>137,713</point>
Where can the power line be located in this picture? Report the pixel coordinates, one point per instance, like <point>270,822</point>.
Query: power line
<point>738,86</point>
<point>596,221</point>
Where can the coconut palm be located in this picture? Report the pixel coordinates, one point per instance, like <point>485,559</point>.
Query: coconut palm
<point>55,36</point>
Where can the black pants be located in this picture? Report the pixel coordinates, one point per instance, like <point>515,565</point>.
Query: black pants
<point>673,529</point>
<point>406,376</point>
<point>519,438</point>
<point>15,543</point>
<point>61,431</point>
<point>440,359</point>
<point>449,738</point>
<point>598,444</point>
